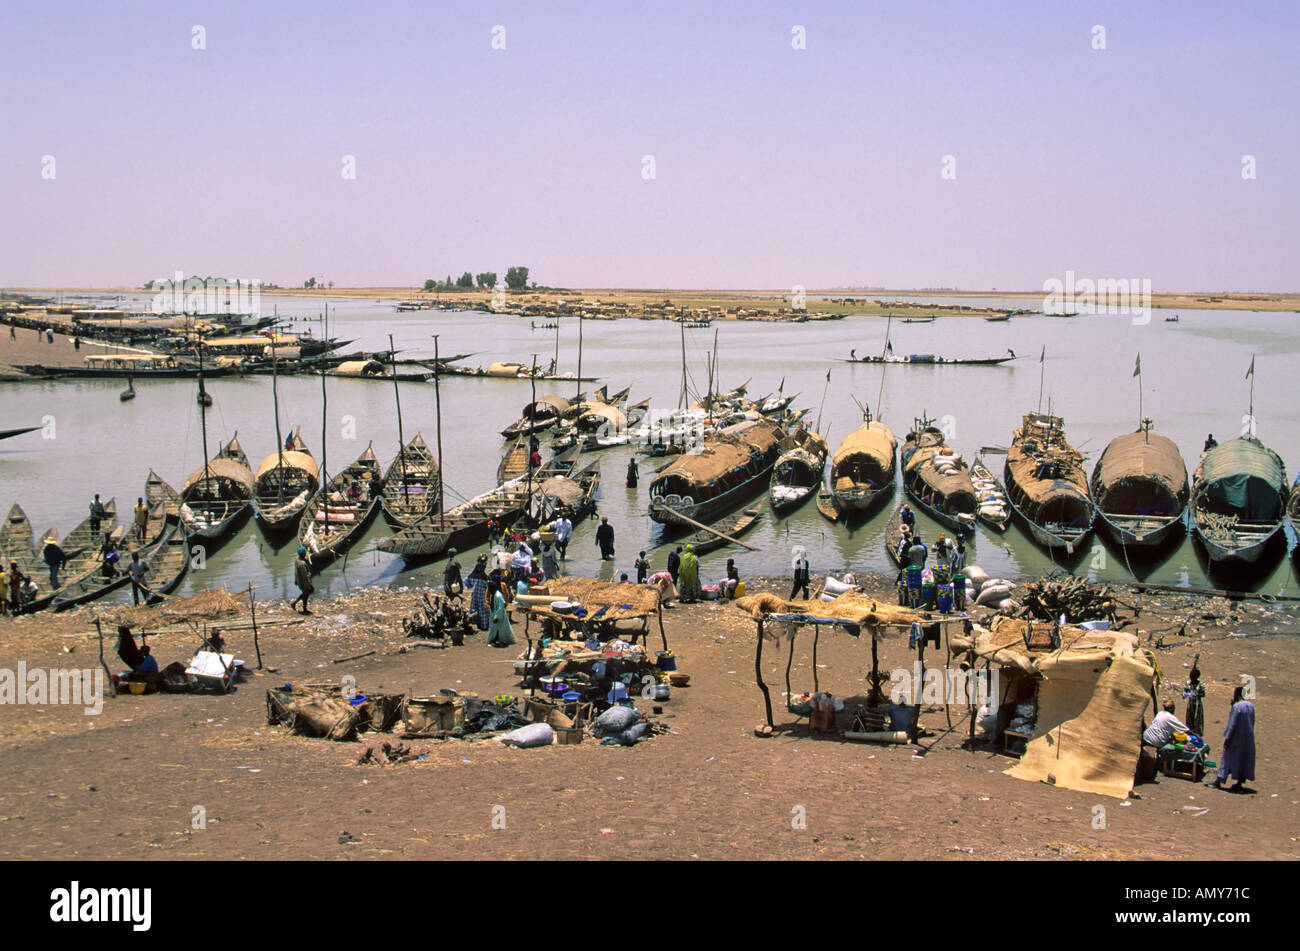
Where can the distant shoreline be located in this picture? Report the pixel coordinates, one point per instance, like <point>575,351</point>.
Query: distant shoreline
<point>837,301</point>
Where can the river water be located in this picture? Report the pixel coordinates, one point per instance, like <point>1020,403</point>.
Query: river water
<point>1193,373</point>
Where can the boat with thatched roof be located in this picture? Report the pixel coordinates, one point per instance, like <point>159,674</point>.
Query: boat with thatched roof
<point>1140,488</point>
<point>727,468</point>
<point>341,512</point>
<point>217,498</point>
<point>571,494</point>
<point>1046,484</point>
<point>285,483</point>
<point>1239,500</point>
<point>539,415</point>
<point>412,485</point>
<point>798,471</point>
<point>863,468</point>
<point>937,478</point>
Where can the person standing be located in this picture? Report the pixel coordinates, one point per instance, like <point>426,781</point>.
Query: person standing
<point>959,557</point>
<point>452,583</point>
<point>1194,694</point>
<point>675,563</point>
<point>550,566</point>
<point>689,573</point>
<point>563,532</point>
<point>632,473</point>
<point>1210,443</point>
<point>917,553</point>
<point>908,516</point>
<point>605,539</point>
<point>141,520</point>
<point>54,558</point>
<point>642,568</point>
<point>500,633</point>
<point>479,593</point>
<point>4,590</point>
<point>97,514</point>
<point>137,570</point>
<point>1238,759</point>
<point>802,574</point>
<point>302,578</point>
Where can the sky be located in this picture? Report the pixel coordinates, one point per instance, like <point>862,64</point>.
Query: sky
<point>675,144</point>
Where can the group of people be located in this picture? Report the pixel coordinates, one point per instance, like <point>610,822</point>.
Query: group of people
<point>949,554</point>
<point>1237,759</point>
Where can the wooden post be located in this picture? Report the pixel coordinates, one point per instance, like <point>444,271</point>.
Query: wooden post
<point>789,662</point>
<point>108,673</point>
<point>874,691</point>
<point>252,607</point>
<point>663,635</point>
<point>817,633</point>
<point>758,674</point>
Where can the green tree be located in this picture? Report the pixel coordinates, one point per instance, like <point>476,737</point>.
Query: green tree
<point>430,284</point>
<point>487,280</point>
<point>517,278</point>
<point>309,283</point>
<point>465,280</point>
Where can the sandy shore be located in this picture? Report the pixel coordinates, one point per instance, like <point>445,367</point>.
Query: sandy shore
<point>124,784</point>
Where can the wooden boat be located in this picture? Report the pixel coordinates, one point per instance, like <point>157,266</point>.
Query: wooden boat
<point>539,416</point>
<point>729,467</point>
<point>168,562</point>
<point>1239,500</point>
<point>919,320</point>
<point>514,464</point>
<point>16,542</point>
<point>217,498</point>
<point>930,360</point>
<point>892,530</point>
<point>1140,488</point>
<point>998,318</point>
<point>127,394</point>
<point>1046,484</point>
<point>1293,506</point>
<point>994,509</point>
<point>733,526</point>
<point>798,471</point>
<point>83,548</point>
<point>466,525</point>
<point>335,520</point>
<point>412,485</point>
<point>10,433</point>
<point>862,470</point>
<point>285,483</point>
<point>636,412</point>
<point>93,583</point>
<point>938,479</point>
<point>158,491</point>
<point>572,495</point>
<point>827,504</point>
<point>776,404</point>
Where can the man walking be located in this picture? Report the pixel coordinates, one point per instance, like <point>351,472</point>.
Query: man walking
<point>563,532</point>
<point>605,539</point>
<point>137,571</point>
<point>54,558</point>
<point>141,520</point>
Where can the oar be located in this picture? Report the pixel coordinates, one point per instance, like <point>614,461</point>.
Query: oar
<point>712,531</point>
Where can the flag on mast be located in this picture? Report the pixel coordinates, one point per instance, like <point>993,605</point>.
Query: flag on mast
<point>1137,369</point>
<point>1251,371</point>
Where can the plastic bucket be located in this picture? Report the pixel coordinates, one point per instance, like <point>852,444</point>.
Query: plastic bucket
<point>928,593</point>
<point>944,598</point>
<point>665,661</point>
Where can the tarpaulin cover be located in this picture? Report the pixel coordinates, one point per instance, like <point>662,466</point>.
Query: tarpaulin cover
<point>1246,476</point>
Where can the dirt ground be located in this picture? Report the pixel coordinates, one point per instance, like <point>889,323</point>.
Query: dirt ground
<point>126,784</point>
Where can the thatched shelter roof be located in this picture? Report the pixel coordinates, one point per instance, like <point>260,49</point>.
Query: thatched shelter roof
<point>1142,457</point>
<point>855,609</point>
<point>292,460</point>
<point>547,405</point>
<point>206,605</point>
<point>359,368</point>
<point>723,452</point>
<point>562,488</point>
<point>624,601</point>
<point>219,470</point>
<point>873,440</point>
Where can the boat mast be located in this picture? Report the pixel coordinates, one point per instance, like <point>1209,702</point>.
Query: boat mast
<point>203,421</point>
<point>556,362</point>
<point>275,402</point>
<point>681,400</point>
<point>324,402</point>
<point>1042,375</point>
<point>437,409</point>
<point>528,504</point>
<point>397,398</point>
<point>577,392</point>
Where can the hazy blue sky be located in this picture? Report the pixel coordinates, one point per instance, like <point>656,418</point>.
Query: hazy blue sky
<point>773,166</point>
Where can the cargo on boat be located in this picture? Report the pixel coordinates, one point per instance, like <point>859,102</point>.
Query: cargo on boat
<point>285,483</point>
<point>938,479</point>
<point>798,472</point>
<point>341,511</point>
<point>1046,484</point>
<point>1239,500</point>
<point>413,486</point>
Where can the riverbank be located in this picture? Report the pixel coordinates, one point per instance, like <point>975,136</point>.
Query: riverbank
<point>125,784</point>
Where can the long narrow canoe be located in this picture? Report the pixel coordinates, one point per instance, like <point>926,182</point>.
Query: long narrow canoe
<point>514,463</point>
<point>733,526</point>
<point>994,510</point>
<point>411,486</point>
<point>101,580</point>
<point>341,512</point>
<point>798,472</point>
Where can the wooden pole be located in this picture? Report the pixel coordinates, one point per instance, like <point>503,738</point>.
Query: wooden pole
<point>252,607</point>
<point>437,406</point>
<point>401,440</point>
<point>713,531</point>
<point>789,662</point>
<point>107,673</point>
<point>758,674</point>
<point>817,633</point>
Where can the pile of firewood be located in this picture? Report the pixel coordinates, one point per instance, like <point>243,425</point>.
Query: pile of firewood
<point>439,618</point>
<point>1047,600</point>
<point>387,753</point>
